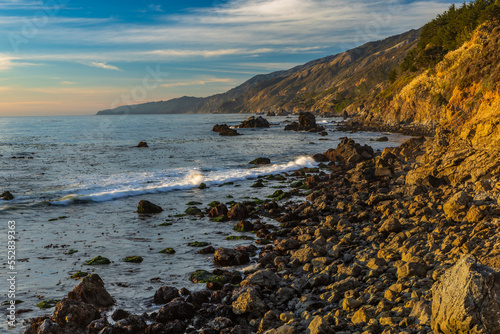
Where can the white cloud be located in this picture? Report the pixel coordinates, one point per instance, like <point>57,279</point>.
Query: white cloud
<point>102,65</point>
<point>68,83</point>
<point>8,62</point>
<point>198,82</point>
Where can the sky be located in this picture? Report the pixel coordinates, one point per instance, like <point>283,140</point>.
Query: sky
<point>65,57</point>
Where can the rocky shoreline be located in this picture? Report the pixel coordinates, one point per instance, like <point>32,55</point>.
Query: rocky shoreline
<point>404,241</point>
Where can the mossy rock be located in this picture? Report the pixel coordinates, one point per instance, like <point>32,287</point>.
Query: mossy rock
<point>203,276</point>
<point>71,251</point>
<point>260,161</point>
<point>220,219</point>
<point>243,226</point>
<point>148,207</point>
<point>258,184</point>
<point>133,259</point>
<point>98,260</point>
<point>198,244</point>
<point>193,203</point>
<point>79,274</point>
<point>239,237</point>
<point>213,204</point>
<point>193,211</point>
<point>276,194</point>
<point>202,186</point>
<point>7,302</point>
<point>168,250</point>
<point>166,224</point>
<point>180,215</point>
<point>297,184</point>
<point>47,303</point>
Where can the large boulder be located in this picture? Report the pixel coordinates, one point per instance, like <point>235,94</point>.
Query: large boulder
<point>238,212</point>
<point>307,122</point>
<point>148,207</point>
<point>230,257</point>
<point>253,122</point>
<point>71,313</point>
<point>91,291</point>
<point>165,294</point>
<point>224,130</point>
<point>467,299</point>
<point>177,309</point>
<point>248,301</point>
<point>348,151</point>
<point>218,210</point>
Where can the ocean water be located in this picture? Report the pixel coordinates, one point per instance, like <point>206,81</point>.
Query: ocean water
<point>77,182</point>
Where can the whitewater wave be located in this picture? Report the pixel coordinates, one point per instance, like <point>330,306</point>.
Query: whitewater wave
<point>102,189</point>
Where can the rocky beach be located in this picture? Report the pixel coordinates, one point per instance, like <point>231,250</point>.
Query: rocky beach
<point>400,241</point>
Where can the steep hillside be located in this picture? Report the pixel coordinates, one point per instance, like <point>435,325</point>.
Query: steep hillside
<point>330,86</point>
<point>181,105</point>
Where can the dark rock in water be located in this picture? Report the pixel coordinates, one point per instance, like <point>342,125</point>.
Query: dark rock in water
<point>142,144</point>
<point>91,290</point>
<point>165,294</point>
<point>348,151</point>
<point>148,207</point>
<point>202,186</point>
<point>7,196</point>
<point>307,122</point>
<point>238,211</point>
<point>260,161</point>
<point>243,226</point>
<point>206,250</point>
<point>253,122</point>
<point>466,299</point>
<point>218,210</point>
<point>193,211</point>
<point>323,133</point>
<point>345,114</point>
<point>382,139</point>
<point>224,130</point>
<point>294,126</point>
<point>230,257</point>
<point>270,114</point>
<point>319,157</point>
<point>177,309</point>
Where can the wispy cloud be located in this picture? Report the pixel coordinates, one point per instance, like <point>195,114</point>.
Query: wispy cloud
<point>198,82</point>
<point>68,83</point>
<point>8,62</point>
<point>102,65</point>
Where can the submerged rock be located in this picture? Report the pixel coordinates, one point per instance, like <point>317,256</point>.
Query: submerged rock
<point>260,161</point>
<point>142,144</point>
<point>7,196</point>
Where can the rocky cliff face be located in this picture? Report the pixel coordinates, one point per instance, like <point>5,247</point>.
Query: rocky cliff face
<point>331,84</point>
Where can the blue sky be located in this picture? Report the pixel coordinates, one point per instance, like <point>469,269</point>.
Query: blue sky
<point>62,57</point>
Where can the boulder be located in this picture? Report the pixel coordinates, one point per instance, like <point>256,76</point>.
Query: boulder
<point>320,157</point>
<point>177,309</point>
<point>248,301</point>
<point>265,278</point>
<point>237,212</point>
<point>218,210</point>
<point>467,299</point>
<point>348,151</point>
<point>253,122</point>
<point>244,226</point>
<point>165,294</point>
<point>7,196</point>
<point>307,122</point>
<point>74,313</point>
<point>91,290</point>
<point>456,207</point>
<point>260,161</point>
<point>224,130</point>
<point>230,257</point>
<point>148,207</point>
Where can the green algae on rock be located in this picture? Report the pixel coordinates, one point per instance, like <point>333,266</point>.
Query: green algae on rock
<point>98,260</point>
<point>133,259</point>
<point>168,250</point>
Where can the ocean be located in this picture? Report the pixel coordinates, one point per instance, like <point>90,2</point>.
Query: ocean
<point>77,181</point>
